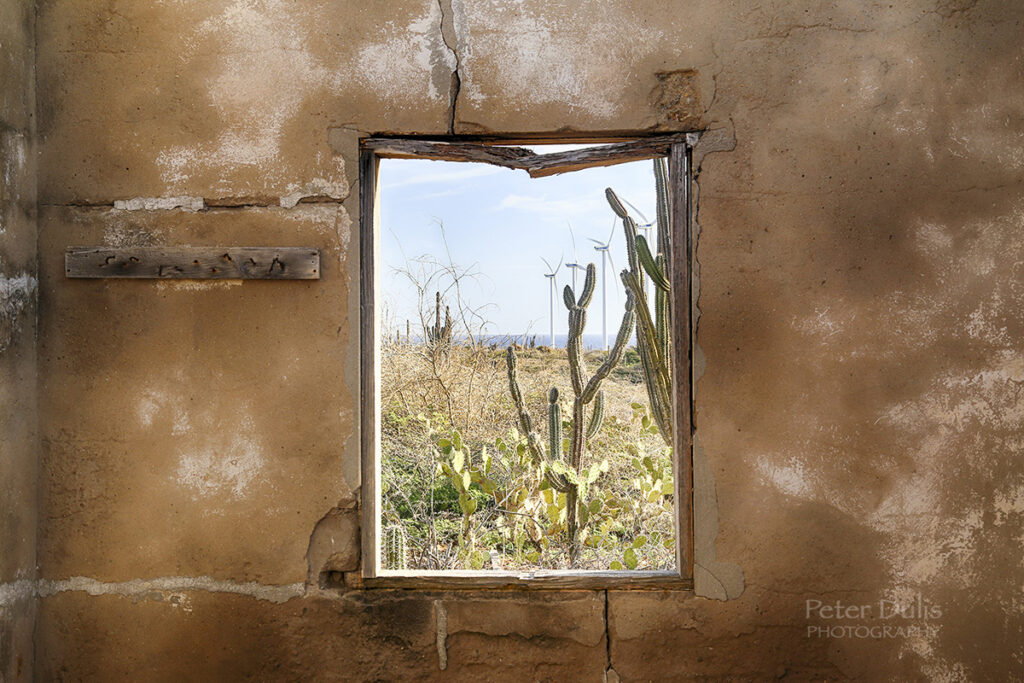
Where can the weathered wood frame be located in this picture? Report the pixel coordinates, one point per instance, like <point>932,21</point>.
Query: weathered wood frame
<point>677,149</point>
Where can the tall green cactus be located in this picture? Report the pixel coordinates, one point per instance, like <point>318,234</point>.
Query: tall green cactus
<point>654,332</point>
<point>439,337</point>
<point>567,476</point>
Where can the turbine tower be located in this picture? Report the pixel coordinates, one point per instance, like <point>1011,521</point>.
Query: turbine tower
<point>551,299</point>
<point>606,258</point>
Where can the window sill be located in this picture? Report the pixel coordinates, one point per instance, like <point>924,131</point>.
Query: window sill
<point>539,580</point>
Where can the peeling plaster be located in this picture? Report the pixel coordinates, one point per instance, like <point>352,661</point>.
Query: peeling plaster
<point>160,204</point>
<point>318,187</point>
<point>449,35</point>
<point>16,591</point>
<point>143,588</point>
<point>711,577</point>
<point>16,294</point>
<point>408,64</point>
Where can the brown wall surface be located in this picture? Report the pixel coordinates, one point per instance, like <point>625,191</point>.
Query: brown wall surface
<point>18,285</point>
<point>860,289</point>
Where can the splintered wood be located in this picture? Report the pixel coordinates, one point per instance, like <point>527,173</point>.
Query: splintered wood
<point>537,165</point>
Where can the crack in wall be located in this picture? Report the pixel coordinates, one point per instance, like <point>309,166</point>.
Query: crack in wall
<point>609,672</point>
<point>450,38</point>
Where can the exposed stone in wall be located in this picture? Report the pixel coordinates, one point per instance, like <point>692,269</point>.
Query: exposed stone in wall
<point>677,96</point>
<point>334,545</point>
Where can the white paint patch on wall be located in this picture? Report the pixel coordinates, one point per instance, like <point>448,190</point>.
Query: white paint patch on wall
<point>196,285</point>
<point>405,61</point>
<point>149,405</point>
<point>265,67</point>
<point>121,232</point>
<point>222,466</point>
<point>790,479</point>
<point>220,454</point>
<point>956,432</point>
<point>581,62</point>
<point>14,174</point>
<point>264,71</point>
<point>1009,502</point>
<point>928,532</point>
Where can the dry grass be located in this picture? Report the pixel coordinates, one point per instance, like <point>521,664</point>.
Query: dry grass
<point>425,394</point>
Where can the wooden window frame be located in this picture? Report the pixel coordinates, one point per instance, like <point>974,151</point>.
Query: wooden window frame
<point>678,150</point>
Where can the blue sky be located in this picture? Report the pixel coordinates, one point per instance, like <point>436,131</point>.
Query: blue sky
<point>500,223</point>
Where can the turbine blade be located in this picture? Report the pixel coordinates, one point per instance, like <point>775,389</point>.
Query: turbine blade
<point>633,206</point>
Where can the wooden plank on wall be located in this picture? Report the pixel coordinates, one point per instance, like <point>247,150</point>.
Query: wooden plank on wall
<point>194,263</point>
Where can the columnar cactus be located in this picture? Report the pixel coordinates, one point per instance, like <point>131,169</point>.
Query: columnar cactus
<point>439,337</point>
<point>566,476</point>
<point>533,440</point>
<point>395,552</point>
<point>554,425</point>
<point>654,332</point>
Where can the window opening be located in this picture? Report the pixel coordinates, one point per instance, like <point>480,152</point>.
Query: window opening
<point>520,335</point>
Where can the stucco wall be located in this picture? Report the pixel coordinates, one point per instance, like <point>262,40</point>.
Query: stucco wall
<point>18,285</point>
<point>860,258</point>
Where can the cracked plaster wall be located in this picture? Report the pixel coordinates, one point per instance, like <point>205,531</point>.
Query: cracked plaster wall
<point>859,333</point>
<point>18,288</point>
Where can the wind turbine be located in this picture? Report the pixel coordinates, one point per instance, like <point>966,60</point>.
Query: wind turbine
<point>606,257</point>
<point>551,303</point>
<point>575,265</point>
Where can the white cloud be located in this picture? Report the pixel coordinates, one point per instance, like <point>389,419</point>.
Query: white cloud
<point>443,174</point>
